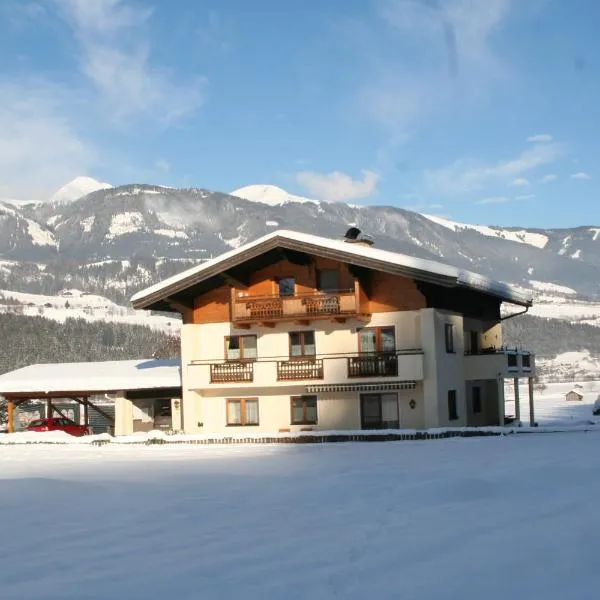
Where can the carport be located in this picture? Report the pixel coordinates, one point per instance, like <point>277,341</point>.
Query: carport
<point>125,381</point>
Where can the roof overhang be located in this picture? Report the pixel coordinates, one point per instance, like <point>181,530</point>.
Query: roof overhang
<point>424,270</point>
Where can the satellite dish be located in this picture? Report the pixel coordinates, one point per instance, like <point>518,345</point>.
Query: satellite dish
<point>352,233</point>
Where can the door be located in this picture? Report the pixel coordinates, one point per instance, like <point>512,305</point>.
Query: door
<point>379,411</point>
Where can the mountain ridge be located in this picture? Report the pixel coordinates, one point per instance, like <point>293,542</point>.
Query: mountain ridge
<point>116,240</point>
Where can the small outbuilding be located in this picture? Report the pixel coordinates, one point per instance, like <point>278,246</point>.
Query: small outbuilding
<point>147,393</point>
<point>574,396</point>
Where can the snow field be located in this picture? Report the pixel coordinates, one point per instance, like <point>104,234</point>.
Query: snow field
<point>465,518</point>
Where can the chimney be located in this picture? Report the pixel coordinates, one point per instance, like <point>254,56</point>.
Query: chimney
<point>355,236</point>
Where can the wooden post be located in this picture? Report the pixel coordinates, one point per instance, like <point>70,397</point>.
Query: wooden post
<point>517,401</point>
<point>49,411</point>
<point>11,416</point>
<point>86,413</point>
<point>531,407</point>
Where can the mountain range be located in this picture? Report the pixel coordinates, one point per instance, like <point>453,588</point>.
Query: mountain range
<point>114,240</point>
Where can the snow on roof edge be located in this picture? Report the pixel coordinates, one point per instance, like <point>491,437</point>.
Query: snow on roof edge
<point>463,278</point>
<point>93,376</point>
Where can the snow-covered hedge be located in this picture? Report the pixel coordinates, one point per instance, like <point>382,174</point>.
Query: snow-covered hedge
<point>160,437</point>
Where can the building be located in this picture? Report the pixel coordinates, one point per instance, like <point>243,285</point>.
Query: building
<point>294,332</point>
<point>146,393</point>
<point>573,396</point>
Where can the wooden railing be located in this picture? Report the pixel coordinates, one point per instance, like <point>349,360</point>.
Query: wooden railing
<point>382,364</point>
<point>231,372</point>
<point>293,370</point>
<point>300,306</point>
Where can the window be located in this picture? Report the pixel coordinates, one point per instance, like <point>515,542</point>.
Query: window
<point>287,286</point>
<point>449,334</point>
<point>302,344</point>
<point>242,411</point>
<point>379,411</point>
<point>376,339</point>
<point>304,410</point>
<point>328,280</point>
<point>452,410</point>
<point>476,400</point>
<point>240,347</point>
<point>474,342</point>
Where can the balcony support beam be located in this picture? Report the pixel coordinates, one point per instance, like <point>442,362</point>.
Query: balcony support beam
<point>517,401</point>
<point>531,406</point>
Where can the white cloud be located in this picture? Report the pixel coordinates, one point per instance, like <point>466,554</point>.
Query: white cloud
<point>495,200</point>
<point>581,175</point>
<point>540,138</point>
<point>39,147</point>
<point>163,165</point>
<point>464,176</point>
<point>456,63</point>
<point>505,199</point>
<point>337,186</point>
<point>549,177</point>
<point>521,182</point>
<point>115,56</point>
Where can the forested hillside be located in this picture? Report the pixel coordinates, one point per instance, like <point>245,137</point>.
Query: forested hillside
<point>549,337</point>
<point>28,340</point>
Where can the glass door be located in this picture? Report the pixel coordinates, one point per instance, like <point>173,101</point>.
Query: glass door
<point>379,411</point>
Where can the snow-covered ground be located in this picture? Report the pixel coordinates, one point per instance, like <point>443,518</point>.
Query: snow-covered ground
<point>475,518</point>
<point>80,305</point>
<point>551,407</point>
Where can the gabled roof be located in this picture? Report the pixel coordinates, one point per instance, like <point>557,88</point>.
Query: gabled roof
<point>356,254</point>
<point>106,376</point>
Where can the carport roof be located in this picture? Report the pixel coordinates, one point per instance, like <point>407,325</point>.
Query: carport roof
<point>92,377</point>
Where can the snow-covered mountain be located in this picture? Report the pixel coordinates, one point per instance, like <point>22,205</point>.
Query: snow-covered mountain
<point>78,188</point>
<point>269,194</point>
<point>115,240</point>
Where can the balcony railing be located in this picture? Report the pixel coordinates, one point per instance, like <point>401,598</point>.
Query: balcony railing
<point>300,306</point>
<point>373,365</point>
<point>231,372</point>
<point>294,370</point>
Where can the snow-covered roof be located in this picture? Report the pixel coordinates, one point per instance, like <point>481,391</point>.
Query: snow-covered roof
<point>359,254</point>
<point>118,375</point>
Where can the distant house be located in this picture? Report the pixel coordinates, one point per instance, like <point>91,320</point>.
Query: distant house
<point>573,396</point>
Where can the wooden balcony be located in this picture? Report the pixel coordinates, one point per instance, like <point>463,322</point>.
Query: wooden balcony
<point>297,370</point>
<point>379,364</point>
<point>231,372</point>
<point>321,305</point>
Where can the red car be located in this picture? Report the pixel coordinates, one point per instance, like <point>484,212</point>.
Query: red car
<point>59,424</point>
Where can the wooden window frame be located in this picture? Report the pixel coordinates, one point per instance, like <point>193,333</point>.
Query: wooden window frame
<point>243,414</point>
<point>449,338</point>
<point>302,356</point>
<point>452,406</point>
<point>319,286</point>
<point>378,344</point>
<point>242,358</point>
<point>304,420</point>
<point>278,290</point>
<point>477,407</point>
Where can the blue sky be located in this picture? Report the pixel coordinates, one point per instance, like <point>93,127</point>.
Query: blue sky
<point>483,111</point>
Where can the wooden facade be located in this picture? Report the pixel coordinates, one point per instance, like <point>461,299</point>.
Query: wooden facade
<point>361,293</point>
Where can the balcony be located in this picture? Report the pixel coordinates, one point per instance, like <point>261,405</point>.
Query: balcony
<point>504,362</point>
<point>266,309</point>
<point>297,370</point>
<point>373,365</point>
<point>404,365</point>
<point>231,372</point>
